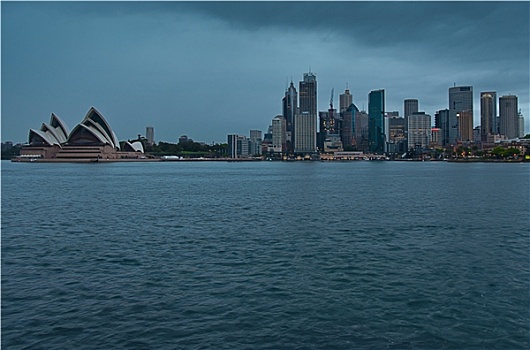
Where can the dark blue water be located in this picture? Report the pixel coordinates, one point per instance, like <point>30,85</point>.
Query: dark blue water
<point>266,255</point>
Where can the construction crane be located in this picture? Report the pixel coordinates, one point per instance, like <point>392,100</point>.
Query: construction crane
<point>331,100</point>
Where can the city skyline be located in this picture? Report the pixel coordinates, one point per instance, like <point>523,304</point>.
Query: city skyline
<point>199,68</point>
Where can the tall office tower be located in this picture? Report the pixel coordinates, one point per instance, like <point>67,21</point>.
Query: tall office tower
<point>345,100</point>
<point>348,125</point>
<point>508,116</point>
<point>465,125</point>
<point>411,105</point>
<point>376,114</point>
<point>361,133</point>
<point>488,113</point>
<point>290,105</point>
<point>442,122</point>
<point>460,100</point>
<point>308,94</point>
<point>521,124</point>
<point>419,126</point>
<point>279,125</point>
<point>150,135</point>
<point>305,133</point>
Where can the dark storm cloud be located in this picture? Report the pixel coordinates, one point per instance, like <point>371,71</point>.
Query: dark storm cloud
<point>211,68</point>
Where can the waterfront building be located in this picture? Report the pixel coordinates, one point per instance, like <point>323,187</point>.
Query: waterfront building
<point>345,100</point>
<point>305,139</point>
<point>93,138</point>
<point>361,132</point>
<point>521,124</point>
<point>488,114</point>
<point>442,122</point>
<point>348,125</point>
<point>396,134</point>
<point>460,102</point>
<point>376,110</point>
<point>329,123</point>
<point>436,138</point>
<point>237,146</point>
<point>150,135</point>
<point>289,109</point>
<point>279,134</point>
<point>410,105</point>
<point>419,130</point>
<point>465,125</point>
<point>255,142</point>
<point>509,116</point>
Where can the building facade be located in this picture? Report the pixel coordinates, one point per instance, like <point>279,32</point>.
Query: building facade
<point>419,130</point>
<point>460,102</point>
<point>509,116</point>
<point>308,94</point>
<point>345,100</point>
<point>150,135</point>
<point>305,133</point>
<point>410,105</point>
<point>376,114</point>
<point>279,144</point>
<point>488,114</point>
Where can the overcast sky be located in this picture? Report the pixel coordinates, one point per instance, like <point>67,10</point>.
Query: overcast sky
<point>207,69</point>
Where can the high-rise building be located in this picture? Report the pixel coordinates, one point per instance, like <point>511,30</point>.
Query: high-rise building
<point>376,114</point>
<point>255,135</point>
<point>465,125</point>
<point>410,106</point>
<point>255,142</point>
<point>460,101</point>
<point>290,106</point>
<point>308,94</point>
<point>278,134</point>
<point>348,125</point>
<point>361,133</point>
<point>508,116</point>
<point>420,129</point>
<point>150,135</point>
<point>488,114</point>
<point>521,124</point>
<point>442,122</point>
<point>345,100</point>
<point>305,133</point>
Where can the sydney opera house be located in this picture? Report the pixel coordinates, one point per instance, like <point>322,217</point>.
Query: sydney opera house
<point>92,139</point>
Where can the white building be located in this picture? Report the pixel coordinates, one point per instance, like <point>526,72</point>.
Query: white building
<point>279,126</point>
<point>419,130</point>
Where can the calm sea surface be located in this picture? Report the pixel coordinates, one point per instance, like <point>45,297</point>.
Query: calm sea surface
<point>265,255</point>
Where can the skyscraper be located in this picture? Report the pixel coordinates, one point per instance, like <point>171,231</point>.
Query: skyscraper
<point>290,106</point>
<point>508,116</point>
<point>345,100</point>
<point>308,94</point>
<point>278,134</point>
<point>376,111</point>
<point>442,123</point>
<point>305,122</point>
<point>521,124</point>
<point>465,125</point>
<point>460,100</point>
<point>488,114</point>
<point>410,106</point>
<point>150,135</point>
<point>305,133</point>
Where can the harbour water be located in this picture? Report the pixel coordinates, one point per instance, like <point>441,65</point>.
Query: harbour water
<point>265,255</point>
